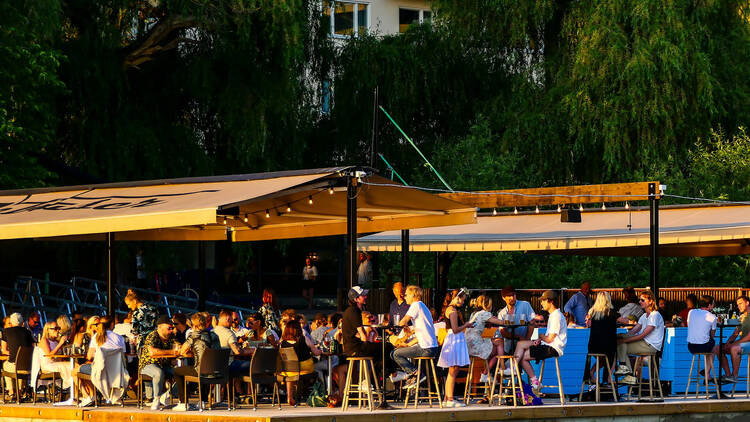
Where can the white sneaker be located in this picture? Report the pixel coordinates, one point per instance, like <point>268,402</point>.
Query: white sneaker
<point>399,376</point>
<point>156,405</point>
<point>484,379</point>
<point>86,402</point>
<point>623,370</point>
<point>164,398</point>
<point>183,407</point>
<point>68,402</point>
<point>535,384</point>
<point>453,403</point>
<point>507,372</point>
<point>364,386</point>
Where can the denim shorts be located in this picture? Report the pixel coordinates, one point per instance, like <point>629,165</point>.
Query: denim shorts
<point>745,348</point>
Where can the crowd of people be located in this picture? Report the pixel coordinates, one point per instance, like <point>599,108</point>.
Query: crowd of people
<point>151,342</point>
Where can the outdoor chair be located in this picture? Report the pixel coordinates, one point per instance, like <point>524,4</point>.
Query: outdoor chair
<point>22,371</point>
<point>432,390</point>
<point>290,370</point>
<point>52,391</point>
<point>697,376</point>
<point>652,364</point>
<point>213,370</point>
<point>611,385</point>
<point>263,368</point>
<point>559,379</point>
<point>366,374</point>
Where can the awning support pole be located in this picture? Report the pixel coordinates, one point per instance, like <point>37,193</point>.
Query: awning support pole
<point>201,275</point>
<point>405,257</point>
<point>654,232</point>
<point>110,275</point>
<point>351,228</point>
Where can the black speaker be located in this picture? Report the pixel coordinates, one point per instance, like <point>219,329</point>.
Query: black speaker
<point>570,215</point>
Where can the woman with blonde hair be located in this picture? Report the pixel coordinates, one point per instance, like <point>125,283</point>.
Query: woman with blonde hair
<point>51,343</point>
<point>478,346</point>
<point>455,353</point>
<point>82,339</point>
<point>602,319</point>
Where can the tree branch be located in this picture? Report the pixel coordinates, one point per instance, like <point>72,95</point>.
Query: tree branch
<point>156,41</point>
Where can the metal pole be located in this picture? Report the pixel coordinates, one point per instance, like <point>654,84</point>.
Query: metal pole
<point>654,231</point>
<point>201,275</point>
<point>405,257</point>
<point>110,273</point>
<point>351,229</point>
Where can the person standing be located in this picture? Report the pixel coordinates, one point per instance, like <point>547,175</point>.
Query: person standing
<point>427,345</point>
<point>309,274</point>
<point>399,305</point>
<point>364,271</point>
<point>270,311</point>
<point>579,304</point>
<point>455,352</point>
<point>144,317</point>
<point>646,337</point>
<point>548,345</point>
<point>140,270</point>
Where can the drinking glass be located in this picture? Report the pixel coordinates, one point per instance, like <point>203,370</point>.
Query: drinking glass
<point>396,319</point>
<point>381,319</point>
<point>522,318</point>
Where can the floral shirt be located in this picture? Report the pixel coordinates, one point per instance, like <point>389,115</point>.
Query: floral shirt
<point>199,342</point>
<point>144,322</point>
<point>154,340</point>
<point>270,316</point>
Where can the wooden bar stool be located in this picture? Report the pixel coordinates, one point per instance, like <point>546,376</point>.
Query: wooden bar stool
<point>470,389</point>
<point>611,386</point>
<point>366,374</point>
<point>432,381</point>
<point>697,375</point>
<point>513,381</point>
<point>747,378</point>
<point>653,376</point>
<point>559,379</point>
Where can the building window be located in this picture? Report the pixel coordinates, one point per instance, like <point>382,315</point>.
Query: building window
<point>407,17</point>
<point>348,18</point>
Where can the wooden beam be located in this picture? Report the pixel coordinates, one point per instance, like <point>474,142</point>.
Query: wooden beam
<point>584,194</point>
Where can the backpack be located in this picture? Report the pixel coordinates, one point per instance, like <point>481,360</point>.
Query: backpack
<point>318,396</point>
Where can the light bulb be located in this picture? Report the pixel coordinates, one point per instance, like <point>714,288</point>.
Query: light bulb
<point>515,210</point>
<point>494,211</point>
<point>288,208</point>
<point>627,205</point>
<point>309,200</point>
<point>245,218</point>
<point>558,208</point>
<point>225,221</point>
<point>330,190</point>
<point>604,207</point>
<point>537,209</point>
<point>580,207</point>
<point>268,214</point>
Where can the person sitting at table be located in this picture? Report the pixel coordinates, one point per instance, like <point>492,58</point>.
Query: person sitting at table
<point>479,346</point>
<point>159,341</point>
<point>82,339</point>
<point>228,340</point>
<point>237,328</point>
<point>548,345</point>
<point>646,336</point>
<point>738,343</point>
<point>691,301</point>
<point>665,315</point>
<point>632,310</point>
<point>368,320</point>
<point>14,337</point>
<point>398,307</point>
<point>701,328</point>
<point>197,342</point>
<point>454,353</point>
<point>180,327</point>
<point>304,348</point>
<point>514,311</point>
<point>352,331</point>
<point>578,305</point>
<point>318,327</point>
<point>51,343</point>
<point>426,345</point>
<point>64,324</point>
<point>259,333</point>
<point>104,338</point>
<point>602,320</point>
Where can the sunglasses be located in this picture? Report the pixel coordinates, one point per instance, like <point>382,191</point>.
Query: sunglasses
<point>641,300</point>
<point>55,328</point>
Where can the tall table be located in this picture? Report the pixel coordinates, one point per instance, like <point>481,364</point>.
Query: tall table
<point>383,339</point>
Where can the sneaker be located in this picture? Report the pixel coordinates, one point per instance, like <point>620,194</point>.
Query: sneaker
<point>164,398</point>
<point>629,380</point>
<point>453,403</point>
<point>183,407</point>
<point>68,402</point>
<point>364,386</point>
<point>507,372</point>
<point>86,402</point>
<point>484,379</point>
<point>535,384</point>
<point>623,370</point>
<point>398,377</point>
<point>155,405</point>
<point>728,380</point>
<point>412,382</point>
<point>592,387</point>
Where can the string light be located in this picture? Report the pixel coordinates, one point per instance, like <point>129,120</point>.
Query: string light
<point>494,211</point>
<point>268,214</point>
<point>288,208</point>
<point>580,207</point>
<point>604,207</point>
<point>515,210</point>
<point>537,209</point>
<point>309,200</point>
<point>225,220</point>
<point>245,218</point>
<point>627,205</point>
<point>330,190</point>
<point>558,208</point>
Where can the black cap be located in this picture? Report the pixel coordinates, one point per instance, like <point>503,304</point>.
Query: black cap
<point>164,319</point>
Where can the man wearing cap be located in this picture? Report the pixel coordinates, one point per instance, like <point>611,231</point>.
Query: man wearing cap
<point>548,345</point>
<point>352,330</point>
<point>160,341</point>
<point>515,310</point>
<point>15,337</point>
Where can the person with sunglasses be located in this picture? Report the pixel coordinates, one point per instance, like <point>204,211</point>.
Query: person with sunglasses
<point>159,341</point>
<point>51,343</point>
<point>645,337</point>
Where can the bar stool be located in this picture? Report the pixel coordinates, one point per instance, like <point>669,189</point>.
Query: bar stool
<point>366,371</point>
<point>559,379</point>
<point>747,378</point>
<point>611,386</point>
<point>653,376</point>
<point>429,370</point>
<point>697,374</point>
<point>514,381</point>
<point>468,394</point>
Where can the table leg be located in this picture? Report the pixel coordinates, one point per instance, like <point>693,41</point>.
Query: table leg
<point>330,376</point>
<point>383,401</point>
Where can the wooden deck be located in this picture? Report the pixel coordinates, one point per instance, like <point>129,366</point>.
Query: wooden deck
<point>729,410</point>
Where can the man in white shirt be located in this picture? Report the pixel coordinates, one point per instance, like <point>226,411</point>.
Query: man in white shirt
<point>424,331</point>
<point>364,271</point>
<point>646,337</point>
<point>514,311</point>
<point>701,324</point>
<point>229,341</point>
<point>548,345</point>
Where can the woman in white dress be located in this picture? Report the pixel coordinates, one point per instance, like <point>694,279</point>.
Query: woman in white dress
<point>455,353</point>
<point>478,346</point>
<point>51,343</point>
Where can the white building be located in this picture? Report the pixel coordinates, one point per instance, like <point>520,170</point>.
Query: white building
<point>380,17</point>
